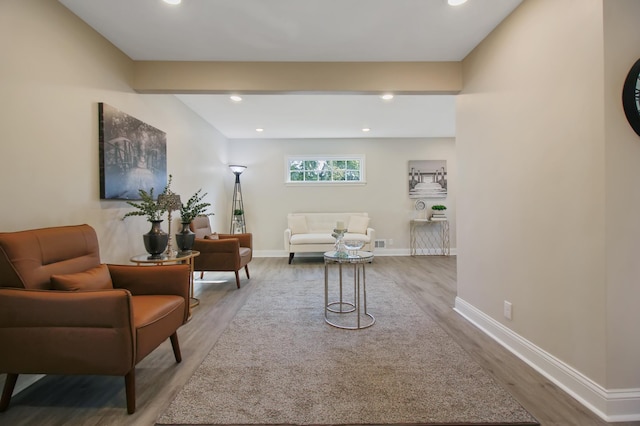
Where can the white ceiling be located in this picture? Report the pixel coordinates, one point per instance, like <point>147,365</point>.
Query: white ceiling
<point>303,30</point>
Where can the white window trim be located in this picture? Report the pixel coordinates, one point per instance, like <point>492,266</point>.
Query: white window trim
<point>359,157</point>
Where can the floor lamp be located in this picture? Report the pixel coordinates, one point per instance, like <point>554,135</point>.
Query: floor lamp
<point>237,209</point>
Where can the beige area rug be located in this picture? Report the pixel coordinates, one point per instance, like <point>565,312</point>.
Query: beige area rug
<point>280,363</point>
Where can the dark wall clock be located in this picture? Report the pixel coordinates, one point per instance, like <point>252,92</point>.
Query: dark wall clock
<point>631,97</point>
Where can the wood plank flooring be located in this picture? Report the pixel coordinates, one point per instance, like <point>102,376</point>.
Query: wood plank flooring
<point>430,280</point>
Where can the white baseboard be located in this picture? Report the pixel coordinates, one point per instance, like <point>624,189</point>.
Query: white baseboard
<point>377,252</point>
<point>612,405</point>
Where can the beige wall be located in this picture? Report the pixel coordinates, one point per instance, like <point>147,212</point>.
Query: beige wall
<point>540,119</point>
<point>258,77</point>
<point>54,71</point>
<point>622,175</point>
<point>385,197</point>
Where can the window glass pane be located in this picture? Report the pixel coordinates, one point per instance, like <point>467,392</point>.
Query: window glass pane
<point>353,165</point>
<point>295,165</point>
<point>351,175</point>
<point>311,176</point>
<point>310,165</point>
<point>297,176</point>
<point>324,175</point>
<point>339,175</point>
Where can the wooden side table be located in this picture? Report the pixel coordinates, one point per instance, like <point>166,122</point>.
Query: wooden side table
<point>144,259</point>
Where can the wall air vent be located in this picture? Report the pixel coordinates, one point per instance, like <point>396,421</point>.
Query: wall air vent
<point>380,243</point>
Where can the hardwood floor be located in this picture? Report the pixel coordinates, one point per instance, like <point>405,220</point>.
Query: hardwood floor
<point>430,280</point>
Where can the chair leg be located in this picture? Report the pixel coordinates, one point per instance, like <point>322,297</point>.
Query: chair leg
<point>130,390</point>
<point>291,257</point>
<point>176,346</point>
<point>237,279</point>
<point>246,270</point>
<point>9,385</point>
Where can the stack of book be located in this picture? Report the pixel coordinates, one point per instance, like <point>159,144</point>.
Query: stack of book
<point>438,216</point>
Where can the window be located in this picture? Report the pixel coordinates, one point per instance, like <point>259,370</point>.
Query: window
<point>325,169</point>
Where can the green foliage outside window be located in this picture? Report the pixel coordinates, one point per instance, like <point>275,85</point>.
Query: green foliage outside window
<point>320,170</point>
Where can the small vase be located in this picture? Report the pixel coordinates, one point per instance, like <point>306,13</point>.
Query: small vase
<point>156,240</point>
<point>185,239</point>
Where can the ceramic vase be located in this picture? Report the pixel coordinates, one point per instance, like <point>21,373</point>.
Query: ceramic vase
<point>156,240</point>
<point>185,239</point>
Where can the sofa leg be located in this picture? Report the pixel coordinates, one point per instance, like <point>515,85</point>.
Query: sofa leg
<point>176,347</point>
<point>237,279</point>
<point>9,385</point>
<point>291,257</point>
<point>246,270</point>
<point>201,274</point>
<point>130,390</point>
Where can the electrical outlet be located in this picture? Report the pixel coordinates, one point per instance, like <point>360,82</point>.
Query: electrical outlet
<point>390,241</point>
<point>508,310</point>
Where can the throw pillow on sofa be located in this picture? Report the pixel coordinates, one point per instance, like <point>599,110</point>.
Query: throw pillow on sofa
<point>97,278</point>
<point>298,225</point>
<point>358,224</point>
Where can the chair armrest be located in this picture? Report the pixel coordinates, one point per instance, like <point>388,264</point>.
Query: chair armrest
<point>151,280</point>
<point>53,308</point>
<point>228,245</point>
<point>246,240</point>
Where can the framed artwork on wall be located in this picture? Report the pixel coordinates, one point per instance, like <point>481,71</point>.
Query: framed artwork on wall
<point>133,155</point>
<point>427,179</point>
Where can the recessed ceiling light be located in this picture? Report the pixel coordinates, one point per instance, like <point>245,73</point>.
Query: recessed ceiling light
<point>456,2</point>
<point>259,129</point>
<point>366,129</point>
<point>173,1</point>
<point>235,98</point>
<point>387,96</point>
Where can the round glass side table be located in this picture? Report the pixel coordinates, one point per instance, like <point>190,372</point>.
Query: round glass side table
<point>343,313</point>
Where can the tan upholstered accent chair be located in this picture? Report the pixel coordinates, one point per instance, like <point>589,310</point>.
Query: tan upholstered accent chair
<point>63,312</point>
<point>221,252</point>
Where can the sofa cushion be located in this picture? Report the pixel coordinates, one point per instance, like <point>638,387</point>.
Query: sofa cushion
<point>298,225</point>
<point>213,236</point>
<point>97,278</point>
<point>357,237</point>
<point>358,224</point>
<point>312,239</point>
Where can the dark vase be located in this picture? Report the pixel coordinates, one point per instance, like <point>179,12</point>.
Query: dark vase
<point>156,240</point>
<point>185,239</point>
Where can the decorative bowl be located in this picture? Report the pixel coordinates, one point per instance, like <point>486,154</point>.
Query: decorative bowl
<point>353,246</point>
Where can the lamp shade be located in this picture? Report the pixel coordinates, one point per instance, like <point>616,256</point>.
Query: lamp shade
<point>169,201</point>
<point>237,169</point>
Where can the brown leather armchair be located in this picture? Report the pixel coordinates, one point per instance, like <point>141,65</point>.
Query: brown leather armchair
<point>63,312</point>
<point>220,252</point>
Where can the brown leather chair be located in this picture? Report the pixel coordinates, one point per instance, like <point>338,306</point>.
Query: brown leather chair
<point>220,252</point>
<point>63,312</point>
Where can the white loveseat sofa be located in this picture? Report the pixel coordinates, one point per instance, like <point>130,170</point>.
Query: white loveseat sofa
<point>311,232</point>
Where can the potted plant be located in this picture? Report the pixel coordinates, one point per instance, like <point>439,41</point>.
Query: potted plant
<point>194,207</point>
<point>438,212</point>
<point>156,240</point>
